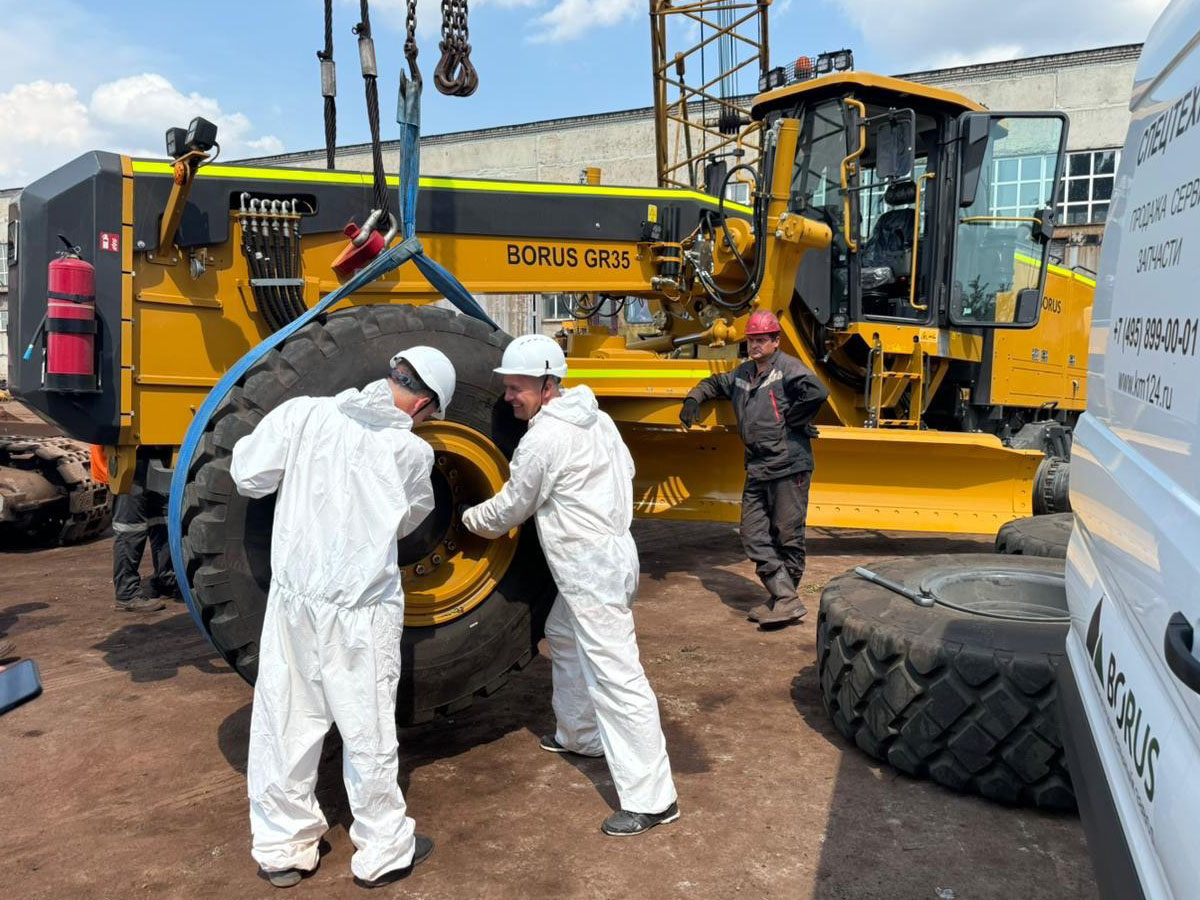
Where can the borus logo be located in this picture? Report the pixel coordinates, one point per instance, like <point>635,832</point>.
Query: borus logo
<point>1137,739</point>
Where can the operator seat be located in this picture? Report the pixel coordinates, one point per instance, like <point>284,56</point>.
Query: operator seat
<point>890,243</point>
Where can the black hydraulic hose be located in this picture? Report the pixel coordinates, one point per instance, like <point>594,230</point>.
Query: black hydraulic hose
<point>747,289</point>
<point>255,268</point>
<point>297,262</point>
<point>275,316</point>
<point>269,266</point>
<point>279,263</point>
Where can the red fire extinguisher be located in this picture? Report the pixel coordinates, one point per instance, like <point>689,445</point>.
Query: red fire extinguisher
<point>69,324</point>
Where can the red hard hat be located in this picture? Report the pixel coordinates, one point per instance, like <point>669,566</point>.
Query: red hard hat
<point>762,321</point>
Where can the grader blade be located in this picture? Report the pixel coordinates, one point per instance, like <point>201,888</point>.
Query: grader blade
<point>865,478</point>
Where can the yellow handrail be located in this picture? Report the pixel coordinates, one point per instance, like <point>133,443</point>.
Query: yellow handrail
<point>912,279</point>
<point>847,161</point>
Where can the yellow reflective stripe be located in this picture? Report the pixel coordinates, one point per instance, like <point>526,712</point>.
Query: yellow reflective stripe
<point>1058,270</point>
<point>146,167</point>
<point>638,373</point>
<point>324,176</point>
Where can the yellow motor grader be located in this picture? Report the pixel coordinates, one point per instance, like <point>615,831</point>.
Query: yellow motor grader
<point>900,233</point>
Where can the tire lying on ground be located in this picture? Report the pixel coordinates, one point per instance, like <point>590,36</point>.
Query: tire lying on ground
<point>1046,535</point>
<point>451,654</point>
<point>963,699</point>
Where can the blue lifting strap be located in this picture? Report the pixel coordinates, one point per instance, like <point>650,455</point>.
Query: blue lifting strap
<point>408,116</point>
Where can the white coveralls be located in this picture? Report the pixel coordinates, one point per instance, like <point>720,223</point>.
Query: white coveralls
<point>352,478</point>
<point>573,471</point>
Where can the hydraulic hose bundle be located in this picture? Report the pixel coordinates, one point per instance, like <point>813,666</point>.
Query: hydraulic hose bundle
<point>271,243</point>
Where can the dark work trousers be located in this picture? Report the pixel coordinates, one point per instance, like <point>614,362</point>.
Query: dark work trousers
<point>773,514</point>
<point>136,516</point>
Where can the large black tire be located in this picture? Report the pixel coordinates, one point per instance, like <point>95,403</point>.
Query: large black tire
<point>1046,535</point>
<point>965,700</point>
<point>84,507</point>
<point>227,537</point>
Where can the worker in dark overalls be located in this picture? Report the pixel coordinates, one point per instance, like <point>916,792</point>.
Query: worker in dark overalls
<point>139,515</point>
<point>775,398</point>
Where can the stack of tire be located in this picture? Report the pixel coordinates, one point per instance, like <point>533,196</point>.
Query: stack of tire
<point>963,693</point>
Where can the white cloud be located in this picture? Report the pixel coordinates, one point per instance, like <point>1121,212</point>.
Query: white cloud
<point>138,109</point>
<point>570,19</point>
<point>44,124</point>
<point>40,121</point>
<point>923,34</point>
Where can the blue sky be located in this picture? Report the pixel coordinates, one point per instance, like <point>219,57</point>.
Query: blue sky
<point>77,76</point>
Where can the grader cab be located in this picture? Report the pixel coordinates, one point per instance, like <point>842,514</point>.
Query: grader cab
<point>899,232</point>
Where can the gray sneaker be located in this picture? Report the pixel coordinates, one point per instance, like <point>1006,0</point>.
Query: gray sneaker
<point>283,878</point>
<point>140,604</point>
<point>627,824</point>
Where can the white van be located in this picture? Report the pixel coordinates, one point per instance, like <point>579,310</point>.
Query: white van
<point>1130,699</point>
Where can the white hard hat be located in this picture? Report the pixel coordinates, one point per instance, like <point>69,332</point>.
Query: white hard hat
<point>533,354</point>
<point>435,369</point>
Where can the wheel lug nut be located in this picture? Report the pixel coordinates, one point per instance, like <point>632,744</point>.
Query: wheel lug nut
<point>437,559</point>
<point>420,570</point>
<point>441,461</point>
<point>451,546</point>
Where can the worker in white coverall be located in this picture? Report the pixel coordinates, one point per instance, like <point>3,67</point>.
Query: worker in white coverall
<point>573,473</point>
<point>352,479</point>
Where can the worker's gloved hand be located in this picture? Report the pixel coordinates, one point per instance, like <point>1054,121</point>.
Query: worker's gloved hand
<point>690,412</point>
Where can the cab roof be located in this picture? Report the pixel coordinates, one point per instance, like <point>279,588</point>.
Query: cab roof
<point>879,90</point>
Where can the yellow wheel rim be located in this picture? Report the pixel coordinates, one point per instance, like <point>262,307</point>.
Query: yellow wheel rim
<point>461,569</point>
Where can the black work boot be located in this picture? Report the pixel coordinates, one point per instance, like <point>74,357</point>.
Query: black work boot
<point>785,613</point>
<point>627,824</point>
<point>781,588</point>
<point>763,609</point>
<point>423,847</point>
<point>140,604</point>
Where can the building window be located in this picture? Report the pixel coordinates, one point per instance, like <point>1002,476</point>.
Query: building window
<point>1021,184</point>
<point>738,192</point>
<point>555,307</point>
<point>1088,186</point>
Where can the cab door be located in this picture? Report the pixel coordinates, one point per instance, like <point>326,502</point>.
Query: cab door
<point>1010,165</point>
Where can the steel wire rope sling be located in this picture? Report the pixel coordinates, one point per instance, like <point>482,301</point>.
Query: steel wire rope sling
<point>409,118</point>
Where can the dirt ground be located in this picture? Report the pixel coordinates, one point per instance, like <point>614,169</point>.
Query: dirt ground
<point>127,777</point>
